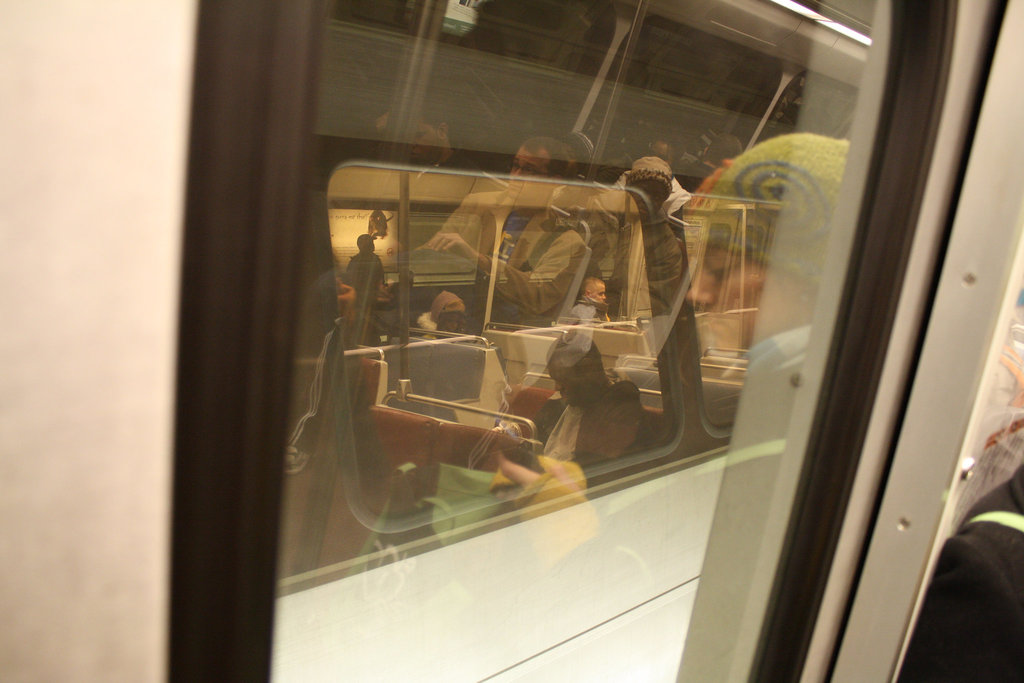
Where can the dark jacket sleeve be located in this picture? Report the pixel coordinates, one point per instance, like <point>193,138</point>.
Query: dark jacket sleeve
<point>971,625</point>
<point>547,417</point>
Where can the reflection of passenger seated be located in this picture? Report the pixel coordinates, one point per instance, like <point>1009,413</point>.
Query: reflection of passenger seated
<point>430,144</point>
<point>593,418</point>
<point>550,480</point>
<point>536,259</point>
<point>447,314</point>
<point>593,302</point>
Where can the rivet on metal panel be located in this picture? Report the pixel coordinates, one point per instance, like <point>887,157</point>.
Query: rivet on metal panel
<point>967,468</point>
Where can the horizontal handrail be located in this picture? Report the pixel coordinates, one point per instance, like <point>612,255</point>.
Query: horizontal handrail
<point>714,366</point>
<point>366,351</point>
<point>635,362</point>
<point>442,403</point>
<point>725,352</point>
<point>379,350</point>
<point>448,337</point>
<point>553,330</point>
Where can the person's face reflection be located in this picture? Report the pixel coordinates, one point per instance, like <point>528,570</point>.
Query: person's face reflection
<point>526,167</point>
<point>429,144</point>
<point>528,163</point>
<point>704,288</point>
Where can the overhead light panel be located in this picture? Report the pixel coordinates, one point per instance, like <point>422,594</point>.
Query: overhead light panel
<point>821,19</point>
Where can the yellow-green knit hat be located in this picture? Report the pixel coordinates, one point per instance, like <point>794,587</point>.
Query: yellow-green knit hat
<point>802,172</point>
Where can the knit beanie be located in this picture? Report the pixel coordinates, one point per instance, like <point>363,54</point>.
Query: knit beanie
<point>650,168</point>
<point>801,172</point>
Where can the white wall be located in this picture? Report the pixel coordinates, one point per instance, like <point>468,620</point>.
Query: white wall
<point>93,130</point>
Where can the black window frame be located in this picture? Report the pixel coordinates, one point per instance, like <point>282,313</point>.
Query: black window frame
<point>251,120</point>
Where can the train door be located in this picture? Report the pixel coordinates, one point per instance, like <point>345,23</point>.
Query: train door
<point>957,440</point>
<point>523,363</point>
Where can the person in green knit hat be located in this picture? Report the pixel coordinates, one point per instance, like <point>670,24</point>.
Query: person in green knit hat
<point>801,172</point>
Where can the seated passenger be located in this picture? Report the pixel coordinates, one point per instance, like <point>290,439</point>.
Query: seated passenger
<point>447,314</point>
<point>547,480</point>
<point>536,257</point>
<point>593,302</point>
<point>591,418</point>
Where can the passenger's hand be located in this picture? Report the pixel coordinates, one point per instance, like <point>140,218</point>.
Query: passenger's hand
<point>561,475</point>
<point>516,472</point>
<point>451,242</point>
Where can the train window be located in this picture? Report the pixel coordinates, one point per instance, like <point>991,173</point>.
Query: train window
<point>524,343</point>
<point>514,368</point>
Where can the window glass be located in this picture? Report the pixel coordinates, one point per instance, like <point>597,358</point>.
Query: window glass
<point>548,243</point>
<point>516,367</point>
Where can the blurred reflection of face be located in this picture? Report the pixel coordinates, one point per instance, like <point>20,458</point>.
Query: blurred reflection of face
<point>662,150</point>
<point>704,288</point>
<point>451,321</point>
<point>526,163</point>
<point>707,284</point>
<point>429,144</point>
<point>526,166</point>
<point>719,284</point>
<point>597,292</point>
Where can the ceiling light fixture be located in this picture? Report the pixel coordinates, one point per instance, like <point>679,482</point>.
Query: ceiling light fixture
<point>824,21</point>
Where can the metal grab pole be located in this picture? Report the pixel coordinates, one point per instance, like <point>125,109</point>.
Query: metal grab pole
<point>403,272</point>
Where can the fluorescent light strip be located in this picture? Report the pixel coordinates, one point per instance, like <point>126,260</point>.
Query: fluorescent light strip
<point>824,21</point>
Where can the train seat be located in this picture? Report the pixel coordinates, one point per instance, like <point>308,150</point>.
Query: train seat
<point>526,351</point>
<point>452,372</point>
<point>448,371</point>
<point>526,401</point>
<point>404,436</point>
<point>374,380</point>
<point>423,440</point>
